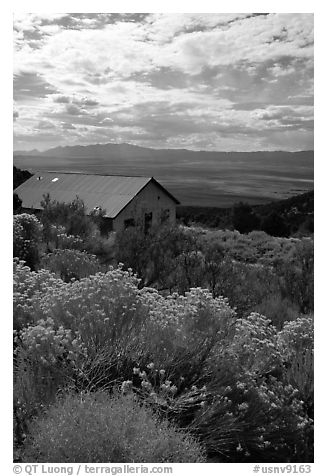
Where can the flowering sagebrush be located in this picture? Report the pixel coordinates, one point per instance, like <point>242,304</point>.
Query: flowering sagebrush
<point>71,264</point>
<point>100,429</point>
<point>254,345</point>
<point>47,345</point>
<point>29,287</point>
<point>46,359</point>
<point>103,308</point>
<point>180,322</point>
<point>27,237</point>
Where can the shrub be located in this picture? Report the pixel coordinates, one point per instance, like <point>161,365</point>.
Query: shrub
<point>20,176</point>
<point>69,264</point>
<point>105,308</point>
<point>167,257</point>
<point>250,421</point>
<point>244,219</point>
<point>46,358</point>
<point>245,285</point>
<point>297,275</point>
<point>237,416</point>
<point>274,224</point>
<point>17,203</point>
<point>29,287</point>
<point>213,252</point>
<point>94,428</point>
<point>57,238</point>
<point>295,342</point>
<point>72,216</point>
<point>254,346</point>
<point>100,246</point>
<point>178,323</point>
<point>27,238</point>
<point>278,309</point>
<point>131,247</point>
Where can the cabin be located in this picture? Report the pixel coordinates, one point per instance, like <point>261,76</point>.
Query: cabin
<point>123,201</point>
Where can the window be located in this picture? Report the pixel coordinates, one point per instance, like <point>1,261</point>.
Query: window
<point>165,214</point>
<point>129,222</point>
<point>105,225</point>
<point>147,221</point>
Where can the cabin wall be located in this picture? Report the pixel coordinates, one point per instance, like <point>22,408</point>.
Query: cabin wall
<point>150,200</point>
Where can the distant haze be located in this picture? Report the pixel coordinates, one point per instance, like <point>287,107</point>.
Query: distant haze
<point>195,178</point>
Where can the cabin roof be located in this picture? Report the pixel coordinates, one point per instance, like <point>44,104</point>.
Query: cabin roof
<point>111,193</point>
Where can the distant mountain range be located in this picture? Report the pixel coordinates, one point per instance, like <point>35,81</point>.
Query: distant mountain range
<point>206,178</point>
<point>93,150</point>
<point>128,150</point>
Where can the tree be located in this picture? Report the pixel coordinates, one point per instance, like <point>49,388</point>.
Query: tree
<point>275,225</point>
<point>27,238</point>
<point>20,176</point>
<point>72,216</point>
<point>213,252</point>
<point>244,219</point>
<point>297,276</point>
<point>131,247</point>
<point>17,204</point>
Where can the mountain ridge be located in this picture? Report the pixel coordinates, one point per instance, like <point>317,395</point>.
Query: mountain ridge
<point>125,147</point>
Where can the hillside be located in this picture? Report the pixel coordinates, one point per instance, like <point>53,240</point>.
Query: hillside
<point>196,178</point>
<point>295,213</point>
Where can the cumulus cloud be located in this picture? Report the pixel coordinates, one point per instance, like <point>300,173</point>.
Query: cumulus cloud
<point>61,99</point>
<point>166,78</point>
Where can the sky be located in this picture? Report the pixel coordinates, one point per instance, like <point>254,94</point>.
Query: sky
<point>225,82</point>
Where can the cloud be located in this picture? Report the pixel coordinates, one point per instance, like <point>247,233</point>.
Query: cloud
<point>31,85</point>
<point>45,125</point>
<point>61,99</point>
<point>73,110</point>
<point>165,79</point>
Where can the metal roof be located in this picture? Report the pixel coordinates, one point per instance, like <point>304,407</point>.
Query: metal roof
<point>110,192</point>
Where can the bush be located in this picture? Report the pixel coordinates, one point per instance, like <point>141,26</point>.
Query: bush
<point>244,219</point>
<point>279,310</point>
<point>250,421</point>
<point>46,358</point>
<point>100,246</point>
<point>20,176</point>
<point>94,428</point>
<point>254,346</point>
<point>69,264</point>
<point>27,238</point>
<point>245,285</point>
<point>17,203</point>
<point>297,275</point>
<point>295,342</point>
<point>131,248</point>
<point>57,238</point>
<point>29,287</point>
<point>179,324</point>
<point>238,416</point>
<point>275,225</point>
<point>105,308</point>
<point>166,257</point>
<point>72,216</point>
